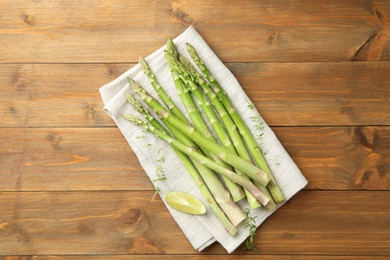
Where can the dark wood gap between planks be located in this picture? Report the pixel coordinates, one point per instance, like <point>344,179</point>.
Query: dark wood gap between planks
<point>114,126</point>
<point>133,63</point>
<point>200,256</point>
<point>152,190</point>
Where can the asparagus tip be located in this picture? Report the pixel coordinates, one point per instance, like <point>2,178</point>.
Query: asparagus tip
<point>137,88</point>
<point>133,84</point>
<point>133,119</point>
<point>194,55</point>
<point>172,48</point>
<point>129,97</point>
<point>170,58</point>
<point>134,103</point>
<point>190,48</point>
<point>183,60</point>
<point>186,63</point>
<point>130,80</point>
<point>143,63</point>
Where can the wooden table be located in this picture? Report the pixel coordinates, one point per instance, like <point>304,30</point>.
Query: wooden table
<point>318,71</point>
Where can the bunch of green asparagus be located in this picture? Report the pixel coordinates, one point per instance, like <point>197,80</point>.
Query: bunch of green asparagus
<point>227,149</point>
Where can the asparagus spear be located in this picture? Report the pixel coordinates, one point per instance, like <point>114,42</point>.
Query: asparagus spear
<point>229,227</point>
<point>202,159</point>
<point>244,130</point>
<point>228,123</point>
<point>197,119</point>
<point>223,137</point>
<point>243,165</point>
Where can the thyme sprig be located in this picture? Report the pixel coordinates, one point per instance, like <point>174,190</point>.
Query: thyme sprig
<point>258,126</point>
<point>160,172</point>
<point>250,104</point>
<point>250,224</point>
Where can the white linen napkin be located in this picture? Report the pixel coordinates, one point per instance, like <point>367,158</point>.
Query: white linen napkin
<point>201,231</point>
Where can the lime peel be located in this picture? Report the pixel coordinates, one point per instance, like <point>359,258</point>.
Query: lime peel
<point>185,202</point>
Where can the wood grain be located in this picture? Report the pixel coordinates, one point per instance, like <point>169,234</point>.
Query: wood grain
<point>71,187</point>
<point>192,257</point>
<point>69,159</point>
<point>335,158</point>
<point>318,93</point>
<point>121,222</point>
<point>120,31</point>
<point>58,95</point>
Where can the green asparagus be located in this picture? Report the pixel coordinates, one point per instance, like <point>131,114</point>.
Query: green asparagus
<point>230,126</point>
<point>196,117</point>
<point>240,123</point>
<point>243,165</point>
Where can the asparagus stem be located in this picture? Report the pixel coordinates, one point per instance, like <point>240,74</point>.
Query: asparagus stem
<point>191,83</point>
<point>243,128</point>
<point>239,146</point>
<point>230,126</point>
<point>197,119</point>
<point>243,165</point>
<point>202,159</point>
<point>199,181</point>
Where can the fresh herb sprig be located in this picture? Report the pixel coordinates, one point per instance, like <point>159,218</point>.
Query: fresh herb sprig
<point>258,125</point>
<point>160,172</point>
<point>250,224</point>
<point>250,104</point>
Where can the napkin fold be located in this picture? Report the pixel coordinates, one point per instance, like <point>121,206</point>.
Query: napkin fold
<point>201,231</point>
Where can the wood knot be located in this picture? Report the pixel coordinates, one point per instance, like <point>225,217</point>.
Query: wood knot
<point>366,137</point>
<point>15,80</point>
<point>132,220</point>
<point>378,15</point>
<point>86,229</point>
<point>181,16</point>
<point>90,109</point>
<point>111,69</point>
<point>131,216</point>
<point>54,140</point>
<point>288,235</point>
<point>28,19</point>
<point>370,176</point>
<point>12,110</point>
<point>273,36</point>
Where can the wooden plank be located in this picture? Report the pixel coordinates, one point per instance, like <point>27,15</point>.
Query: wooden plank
<point>318,93</point>
<point>98,31</point>
<point>69,159</point>
<point>54,95</point>
<point>340,158</point>
<point>342,223</point>
<point>57,95</point>
<point>35,159</point>
<point>191,257</point>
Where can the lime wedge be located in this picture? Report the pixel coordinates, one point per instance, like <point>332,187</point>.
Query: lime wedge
<point>185,202</point>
